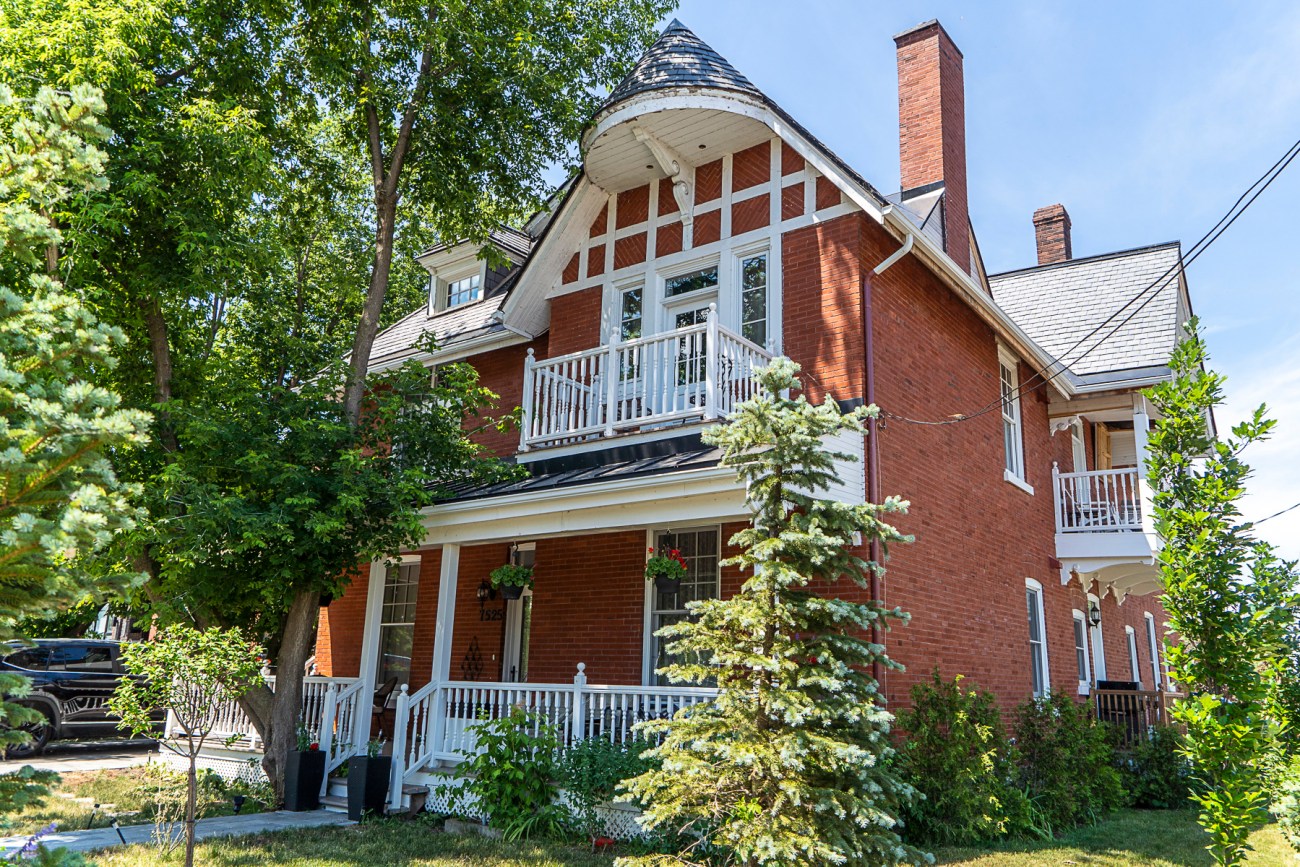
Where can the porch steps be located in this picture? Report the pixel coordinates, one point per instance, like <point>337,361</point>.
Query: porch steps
<point>336,801</point>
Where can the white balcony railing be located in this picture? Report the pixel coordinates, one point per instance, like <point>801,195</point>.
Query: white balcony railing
<point>698,372</point>
<point>437,721</point>
<point>1101,501</point>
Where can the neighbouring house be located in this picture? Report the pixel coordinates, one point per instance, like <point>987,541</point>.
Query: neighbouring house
<point>707,232</point>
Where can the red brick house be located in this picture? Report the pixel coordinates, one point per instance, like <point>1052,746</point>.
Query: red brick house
<point>707,232</point>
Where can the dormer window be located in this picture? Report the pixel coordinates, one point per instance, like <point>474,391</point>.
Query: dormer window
<point>464,290</point>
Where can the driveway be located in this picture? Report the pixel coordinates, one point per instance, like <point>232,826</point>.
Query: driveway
<point>71,756</point>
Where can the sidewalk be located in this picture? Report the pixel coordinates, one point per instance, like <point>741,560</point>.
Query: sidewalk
<point>217,826</point>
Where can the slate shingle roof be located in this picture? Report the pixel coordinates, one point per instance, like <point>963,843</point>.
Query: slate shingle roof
<point>679,58</point>
<point>1059,304</point>
<point>402,339</point>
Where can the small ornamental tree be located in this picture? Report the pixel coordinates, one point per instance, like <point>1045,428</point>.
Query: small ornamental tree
<point>191,674</point>
<point>791,764</point>
<point>1229,600</point>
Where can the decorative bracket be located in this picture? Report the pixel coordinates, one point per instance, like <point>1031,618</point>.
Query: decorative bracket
<point>1063,424</point>
<point>674,166</point>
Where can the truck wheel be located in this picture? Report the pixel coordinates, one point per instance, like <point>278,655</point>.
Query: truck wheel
<point>40,732</point>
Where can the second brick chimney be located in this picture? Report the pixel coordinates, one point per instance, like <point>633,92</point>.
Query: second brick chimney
<point>932,126</point>
<point>1052,234</point>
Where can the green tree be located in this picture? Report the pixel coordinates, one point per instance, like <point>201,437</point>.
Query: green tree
<point>791,764</point>
<point>270,163</point>
<point>1229,599</point>
<point>60,499</point>
<point>189,673</point>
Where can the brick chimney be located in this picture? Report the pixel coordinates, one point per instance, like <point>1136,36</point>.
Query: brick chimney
<point>1052,233</point>
<point>932,126</point>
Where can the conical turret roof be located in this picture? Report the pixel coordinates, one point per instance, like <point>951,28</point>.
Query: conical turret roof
<point>679,58</point>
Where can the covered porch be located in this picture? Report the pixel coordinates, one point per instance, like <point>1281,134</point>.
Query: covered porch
<point>577,649</point>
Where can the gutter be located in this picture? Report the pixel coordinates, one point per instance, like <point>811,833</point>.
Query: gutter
<point>873,439</point>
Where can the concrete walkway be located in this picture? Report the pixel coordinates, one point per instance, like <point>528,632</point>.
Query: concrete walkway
<point>217,826</point>
<point>66,757</point>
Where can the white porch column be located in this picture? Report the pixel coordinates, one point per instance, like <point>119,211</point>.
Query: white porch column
<point>1141,426</point>
<point>446,612</point>
<point>370,649</point>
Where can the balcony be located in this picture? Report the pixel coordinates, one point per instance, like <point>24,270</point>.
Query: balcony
<point>1102,501</point>
<point>1104,532</point>
<point>694,374</point>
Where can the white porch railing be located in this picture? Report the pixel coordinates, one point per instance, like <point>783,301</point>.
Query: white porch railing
<point>1100,501</point>
<point>698,372</point>
<point>435,723</point>
<point>229,720</point>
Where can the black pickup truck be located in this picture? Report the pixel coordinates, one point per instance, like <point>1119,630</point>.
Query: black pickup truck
<point>72,681</point>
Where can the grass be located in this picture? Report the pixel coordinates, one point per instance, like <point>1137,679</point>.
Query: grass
<point>71,802</point>
<point>1131,837</point>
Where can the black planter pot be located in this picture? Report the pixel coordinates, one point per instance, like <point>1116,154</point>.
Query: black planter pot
<point>303,775</point>
<point>667,585</point>
<point>511,591</point>
<point>368,785</point>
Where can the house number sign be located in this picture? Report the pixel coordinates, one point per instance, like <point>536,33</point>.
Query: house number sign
<point>489,614</point>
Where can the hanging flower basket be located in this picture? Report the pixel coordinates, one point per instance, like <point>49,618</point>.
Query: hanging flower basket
<point>666,568</point>
<point>511,580</point>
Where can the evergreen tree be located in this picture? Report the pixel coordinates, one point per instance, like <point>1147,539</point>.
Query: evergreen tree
<point>791,764</point>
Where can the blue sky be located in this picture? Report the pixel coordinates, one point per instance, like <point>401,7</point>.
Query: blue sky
<point>1146,120</point>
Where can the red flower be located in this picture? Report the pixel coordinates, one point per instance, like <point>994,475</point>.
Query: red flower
<point>314,747</point>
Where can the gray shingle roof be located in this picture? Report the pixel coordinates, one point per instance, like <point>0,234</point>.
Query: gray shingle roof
<point>402,339</point>
<point>1059,304</point>
<point>679,58</point>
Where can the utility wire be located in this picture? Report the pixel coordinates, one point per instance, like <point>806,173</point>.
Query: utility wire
<point>1205,242</point>
<point>1277,514</point>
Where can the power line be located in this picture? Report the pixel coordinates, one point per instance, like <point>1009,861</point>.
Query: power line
<point>1206,241</point>
<point>1277,514</point>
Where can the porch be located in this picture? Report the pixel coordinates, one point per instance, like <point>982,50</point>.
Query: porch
<point>696,372</point>
<point>1134,712</point>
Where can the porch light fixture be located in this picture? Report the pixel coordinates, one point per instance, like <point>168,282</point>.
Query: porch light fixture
<point>486,593</point>
<point>1094,614</point>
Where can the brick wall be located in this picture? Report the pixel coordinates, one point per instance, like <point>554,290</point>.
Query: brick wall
<point>338,645</point>
<point>502,371</point>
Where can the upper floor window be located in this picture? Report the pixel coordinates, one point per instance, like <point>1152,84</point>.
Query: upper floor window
<point>1081,652</point>
<point>630,312</point>
<point>753,298</point>
<point>1037,638</point>
<point>464,290</point>
<point>1012,433</point>
<point>691,281</point>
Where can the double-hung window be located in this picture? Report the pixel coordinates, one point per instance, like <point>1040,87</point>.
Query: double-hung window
<point>630,312</point>
<point>753,298</point>
<point>699,548</point>
<point>397,622</point>
<point>1013,440</point>
<point>1081,652</point>
<point>1134,671</point>
<point>1037,638</point>
<point>1153,644</point>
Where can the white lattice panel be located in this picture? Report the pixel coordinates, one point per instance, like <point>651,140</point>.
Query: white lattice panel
<point>229,769</point>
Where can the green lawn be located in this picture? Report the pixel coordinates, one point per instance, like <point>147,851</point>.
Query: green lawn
<point>71,803</point>
<point>1162,839</point>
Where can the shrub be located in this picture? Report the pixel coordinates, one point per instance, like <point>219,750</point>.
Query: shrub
<point>957,755</point>
<point>510,776</point>
<point>591,771</point>
<point>1155,773</point>
<point>1066,763</point>
<point>1286,804</point>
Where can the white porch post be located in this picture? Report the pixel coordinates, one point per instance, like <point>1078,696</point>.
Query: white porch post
<point>447,580</point>
<point>1141,425</point>
<point>369,652</point>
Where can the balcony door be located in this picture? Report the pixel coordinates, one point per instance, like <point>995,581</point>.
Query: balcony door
<point>519,623</point>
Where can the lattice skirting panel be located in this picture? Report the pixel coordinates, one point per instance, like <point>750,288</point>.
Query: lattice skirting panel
<point>620,820</point>
<point>229,769</point>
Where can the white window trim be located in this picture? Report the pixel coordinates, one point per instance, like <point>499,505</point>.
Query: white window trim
<point>739,254</point>
<point>647,634</point>
<point>1159,671</point>
<point>1031,584</point>
<point>439,283</point>
<point>1134,666</point>
<point>1012,364</point>
<point>1077,616</point>
<point>380,623</point>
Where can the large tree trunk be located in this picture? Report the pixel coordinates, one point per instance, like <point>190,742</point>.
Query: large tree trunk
<point>160,349</point>
<point>278,724</point>
<point>368,326</point>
